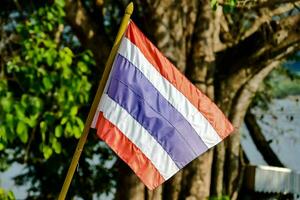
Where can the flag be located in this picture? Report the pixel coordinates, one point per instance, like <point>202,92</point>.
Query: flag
<point>152,116</point>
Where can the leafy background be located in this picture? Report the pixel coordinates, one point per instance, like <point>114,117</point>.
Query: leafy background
<point>45,92</point>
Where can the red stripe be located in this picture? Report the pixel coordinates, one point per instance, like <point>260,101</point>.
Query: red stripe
<point>129,153</point>
<point>209,110</point>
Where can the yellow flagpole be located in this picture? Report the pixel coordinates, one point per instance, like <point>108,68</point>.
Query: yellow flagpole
<point>108,65</point>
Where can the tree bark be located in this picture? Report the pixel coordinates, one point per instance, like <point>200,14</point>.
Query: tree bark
<point>89,31</point>
<point>199,176</point>
<point>200,70</point>
<point>128,185</point>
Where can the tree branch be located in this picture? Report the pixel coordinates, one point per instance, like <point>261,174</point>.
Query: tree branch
<point>241,25</point>
<point>260,141</point>
<point>240,105</point>
<point>254,52</point>
<point>266,16</point>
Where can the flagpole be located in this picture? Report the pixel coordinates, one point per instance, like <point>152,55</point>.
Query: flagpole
<point>88,122</point>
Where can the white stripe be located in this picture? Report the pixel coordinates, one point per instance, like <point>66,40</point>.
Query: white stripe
<point>170,93</point>
<point>139,136</point>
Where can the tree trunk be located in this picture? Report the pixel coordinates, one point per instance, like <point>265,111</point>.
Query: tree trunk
<point>128,185</point>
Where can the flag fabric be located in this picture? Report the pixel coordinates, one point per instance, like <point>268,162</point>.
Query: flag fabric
<point>152,116</point>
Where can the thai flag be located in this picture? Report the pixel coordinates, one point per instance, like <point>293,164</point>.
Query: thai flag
<point>152,116</point>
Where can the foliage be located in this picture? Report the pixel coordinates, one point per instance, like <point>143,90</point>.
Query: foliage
<point>45,89</point>
<point>281,83</point>
<point>50,84</point>
<point>228,5</point>
<point>6,195</point>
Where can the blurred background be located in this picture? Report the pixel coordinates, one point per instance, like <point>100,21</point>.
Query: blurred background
<point>243,54</point>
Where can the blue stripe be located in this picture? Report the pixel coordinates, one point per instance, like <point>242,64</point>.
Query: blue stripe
<point>132,90</point>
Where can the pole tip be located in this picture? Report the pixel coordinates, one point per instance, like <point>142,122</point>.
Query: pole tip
<point>129,9</point>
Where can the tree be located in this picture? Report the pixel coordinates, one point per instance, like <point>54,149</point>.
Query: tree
<point>226,52</point>
<point>45,84</point>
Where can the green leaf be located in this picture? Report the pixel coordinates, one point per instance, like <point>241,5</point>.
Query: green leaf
<point>6,195</point>
<point>9,118</point>
<point>66,71</point>
<point>86,58</point>
<point>56,146</point>
<point>82,67</point>
<point>58,131</point>
<point>31,122</point>
<point>22,131</point>
<point>37,103</point>
<point>41,71</point>
<point>80,123</point>
<point>49,26</point>
<point>233,2</point>
<point>68,51</point>
<point>11,66</point>
<point>47,151</point>
<point>68,130</point>
<point>11,195</point>
<point>60,3</point>
<point>24,137</point>
<point>24,100</point>
<point>19,111</point>
<point>49,59</point>
<point>64,120</point>
<point>6,104</point>
<point>49,15</point>
<point>3,136</point>
<point>68,60</point>
<point>70,96</point>
<point>47,83</point>
<point>77,132</point>
<point>43,128</point>
<point>1,146</point>
<point>74,111</point>
<point>214,4</point>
